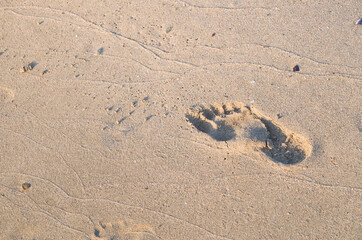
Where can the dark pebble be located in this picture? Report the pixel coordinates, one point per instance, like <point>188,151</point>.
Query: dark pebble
<point>96,233</point>
<point>26,186</point>
<point>296,68</point>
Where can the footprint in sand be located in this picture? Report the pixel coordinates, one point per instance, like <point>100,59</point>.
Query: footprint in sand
<point>123,230</point>
<point>244,128</point>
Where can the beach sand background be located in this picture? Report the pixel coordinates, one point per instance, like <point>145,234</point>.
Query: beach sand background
<point>98,122</point>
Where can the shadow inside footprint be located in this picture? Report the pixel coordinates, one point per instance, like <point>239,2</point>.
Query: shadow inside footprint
<point>218,130</point>
<point>280,147</point>
<point>258,134</point>
<point>223,132</point>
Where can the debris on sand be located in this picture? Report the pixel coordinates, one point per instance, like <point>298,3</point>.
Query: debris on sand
<point>100,51</point>
<point>28,67</point>
<point>296,68</point>
<point>26,186</point>
<point>169,29</point>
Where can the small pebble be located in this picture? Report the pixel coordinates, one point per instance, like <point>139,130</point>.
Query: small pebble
<point>149,117</point>
<point>169,29</point>
<point>109,108</point>
<point>296,68</point>
<point>97,233</point>
<point>100,51</point>
<point>27,68</point>
<point>26,186</point>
